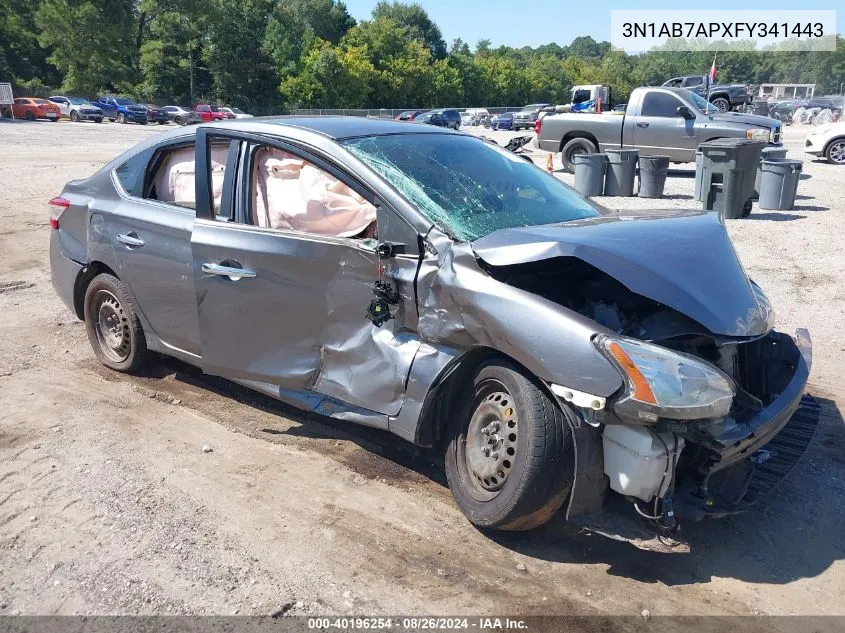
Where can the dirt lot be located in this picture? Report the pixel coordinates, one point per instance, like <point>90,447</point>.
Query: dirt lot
<point>109,505</point>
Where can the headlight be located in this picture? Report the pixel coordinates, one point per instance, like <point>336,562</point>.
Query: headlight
<point>661,383</point>
<point>758,134</point>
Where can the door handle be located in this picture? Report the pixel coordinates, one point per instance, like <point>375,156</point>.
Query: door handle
<point>227,271</point>
<point>130,239</point>
<point>642,124</point>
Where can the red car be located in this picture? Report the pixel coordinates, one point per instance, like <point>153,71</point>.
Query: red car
<point>210,112</point>
<point>31,108</point>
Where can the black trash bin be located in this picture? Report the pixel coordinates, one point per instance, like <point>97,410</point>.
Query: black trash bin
<point>653,170</point>
<point>732,164</point>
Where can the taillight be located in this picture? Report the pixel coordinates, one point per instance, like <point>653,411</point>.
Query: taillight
<point>537,125</point>
<point>57,207</point>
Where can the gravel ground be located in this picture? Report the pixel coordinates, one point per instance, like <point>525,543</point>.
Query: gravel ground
<point>108,504</point>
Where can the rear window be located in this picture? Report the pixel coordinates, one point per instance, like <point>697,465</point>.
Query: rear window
<point>468,187</point>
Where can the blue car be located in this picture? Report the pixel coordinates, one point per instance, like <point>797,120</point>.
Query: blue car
<point>502,122</point>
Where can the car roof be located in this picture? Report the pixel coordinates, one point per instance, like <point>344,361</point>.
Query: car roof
<point>340,127</point>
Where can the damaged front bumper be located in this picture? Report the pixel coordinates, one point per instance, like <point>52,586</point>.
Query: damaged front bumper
<point>745,460</point>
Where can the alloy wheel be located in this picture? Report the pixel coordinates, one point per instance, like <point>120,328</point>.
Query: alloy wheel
<point>836,152</point>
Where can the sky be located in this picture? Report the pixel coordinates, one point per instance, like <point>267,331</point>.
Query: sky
<point>525,23</point>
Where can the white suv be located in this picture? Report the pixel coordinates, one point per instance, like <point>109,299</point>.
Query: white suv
<point>827,141</point>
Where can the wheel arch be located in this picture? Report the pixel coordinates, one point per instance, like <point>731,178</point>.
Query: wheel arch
<point>449,384</point>
<point>83,279</point>
<point>577,134</point>
<point>827,145</point>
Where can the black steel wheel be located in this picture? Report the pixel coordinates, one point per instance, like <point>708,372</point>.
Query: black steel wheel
<point>509,462</point>
<point>113,327</point>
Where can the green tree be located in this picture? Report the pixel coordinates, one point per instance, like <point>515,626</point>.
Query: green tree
<point>91,43</point>
<point>417,22</point>
<point>330,77</point>
<point>242,72</point>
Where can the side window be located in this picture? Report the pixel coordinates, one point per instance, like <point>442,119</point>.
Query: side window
<point>692,82</point>
<point>131,173</point>
<point>290,193</point>
<point>172,173</point>
<point>660,104</point>
<point>674,83</point>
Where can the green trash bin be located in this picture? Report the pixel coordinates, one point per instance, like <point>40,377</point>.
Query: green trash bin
<point>731,163</point>
<point>621,168</point>
<point>779,183</point>
<point>589,173</point>
<point>770,152</point>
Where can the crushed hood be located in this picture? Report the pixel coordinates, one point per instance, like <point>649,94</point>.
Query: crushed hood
<point>684,260</point>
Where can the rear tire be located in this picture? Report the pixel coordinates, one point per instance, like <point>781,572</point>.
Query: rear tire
<point>510,459</point>
<point>573,147</point>
<point>723,104</point>
<point>114,329</point>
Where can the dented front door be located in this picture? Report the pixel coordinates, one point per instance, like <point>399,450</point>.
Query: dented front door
<point>292,312</point>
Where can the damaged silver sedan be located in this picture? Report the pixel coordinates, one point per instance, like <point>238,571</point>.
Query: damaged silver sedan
<point>620,368</point>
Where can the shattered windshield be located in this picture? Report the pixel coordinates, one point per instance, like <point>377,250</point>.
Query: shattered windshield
<point>468,187</point>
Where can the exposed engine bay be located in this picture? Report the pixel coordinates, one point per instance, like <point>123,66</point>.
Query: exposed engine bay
<point>648,463</point>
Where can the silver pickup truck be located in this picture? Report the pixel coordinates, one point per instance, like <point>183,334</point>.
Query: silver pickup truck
<point>658,121</point>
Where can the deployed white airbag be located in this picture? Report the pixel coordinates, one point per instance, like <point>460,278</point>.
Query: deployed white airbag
<point>290,193</point>
<point>176,177</point>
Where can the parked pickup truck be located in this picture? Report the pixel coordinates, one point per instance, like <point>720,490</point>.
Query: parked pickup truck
<point>723,96</point>
<point>122,110</point>
<point>658,121</point>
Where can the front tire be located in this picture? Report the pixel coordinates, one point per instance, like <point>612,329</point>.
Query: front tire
<point>121,118</point>
<point>74,116</point>
<point>510,460</point>
<point>835,152</point>
<point>723,104</point>
<point>114,329</point>
<point>573,147</point>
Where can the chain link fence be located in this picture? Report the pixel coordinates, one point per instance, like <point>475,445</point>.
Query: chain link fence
<point>389,113</point>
